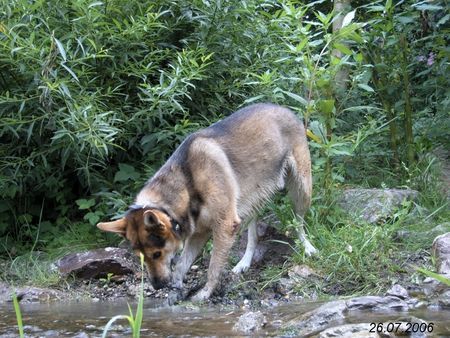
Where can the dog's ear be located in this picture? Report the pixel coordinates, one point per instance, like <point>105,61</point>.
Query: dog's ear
<point>119,226</point>
<point>151,219</point>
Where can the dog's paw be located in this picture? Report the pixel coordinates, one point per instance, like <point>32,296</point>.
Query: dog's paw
<point>201,296</point>
<point>240,268</point>
<point>174,296</point>
<point>309,249</point>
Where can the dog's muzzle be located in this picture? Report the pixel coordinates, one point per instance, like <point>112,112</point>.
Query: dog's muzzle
<point>159,283</point>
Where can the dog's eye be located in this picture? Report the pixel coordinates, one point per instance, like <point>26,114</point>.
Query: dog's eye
<point>157,254</point>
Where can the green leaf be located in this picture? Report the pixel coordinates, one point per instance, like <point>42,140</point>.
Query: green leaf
<point>366,87</point>
<point>342,48</point>
<point>92,217</point>
<point>348,18</point>
<point>388,5</point>
<point>406,19</point>
<point>434,275</point>
<point>326,106</point>
<point>296,97</point>
<point>359,57</point>
<point>126,172</point>
<point>70,71</point>
<point>301,45</point>
<point>84,204</point>
<point>61,49</point>
<point>443,20</point>
<point>427,7</point>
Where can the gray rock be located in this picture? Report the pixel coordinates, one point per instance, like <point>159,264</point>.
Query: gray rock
<point>98,263</point>
<point>436,231</point>
<point>431,287</point>
<point>349,331</point>
<point>398,291</point>
<point>302,272</point>
<point>404,329</point>
<point>376,303</point>
<point>333,314</point>
<point>441,252</point>
<point>444,300</point>
<point>29,294</point>
<point>312,322</point>
<point>374,205</point>
<point>250,322</point>
<point>286,285</point>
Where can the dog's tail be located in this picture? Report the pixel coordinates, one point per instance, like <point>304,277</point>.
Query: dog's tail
<point>299,180</point>
<point>299,185</point>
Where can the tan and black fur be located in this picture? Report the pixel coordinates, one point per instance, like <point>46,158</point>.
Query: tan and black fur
<point>216,180</point>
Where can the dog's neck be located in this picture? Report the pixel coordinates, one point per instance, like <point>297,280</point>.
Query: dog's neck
<point>169,195</point>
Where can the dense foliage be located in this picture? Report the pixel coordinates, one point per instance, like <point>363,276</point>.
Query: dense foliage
<point>94,95</point>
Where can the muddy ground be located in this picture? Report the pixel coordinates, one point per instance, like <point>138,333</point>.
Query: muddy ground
<point>231,290</point>
<point>257,286</point>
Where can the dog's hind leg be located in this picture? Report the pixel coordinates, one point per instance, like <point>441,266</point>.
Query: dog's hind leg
<point>299,185</point>
<point>192,248</point>
<point>252,241</point>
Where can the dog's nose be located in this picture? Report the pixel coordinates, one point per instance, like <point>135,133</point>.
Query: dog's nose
<point>159,283</point>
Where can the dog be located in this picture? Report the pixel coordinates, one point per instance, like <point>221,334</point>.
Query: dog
<point>216,180</point>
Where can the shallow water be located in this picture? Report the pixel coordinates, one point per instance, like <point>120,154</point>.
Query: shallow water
<point>87,319</point>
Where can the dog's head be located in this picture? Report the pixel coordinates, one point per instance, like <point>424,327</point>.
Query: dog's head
<point>154,234</point>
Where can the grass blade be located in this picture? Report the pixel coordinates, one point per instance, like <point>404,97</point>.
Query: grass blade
<point>18,315</point>
<point>434,275</point>
<point>112,320</point>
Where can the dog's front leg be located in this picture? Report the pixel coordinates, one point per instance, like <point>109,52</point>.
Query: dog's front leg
<point>192,248</point>
<point>223,238</point>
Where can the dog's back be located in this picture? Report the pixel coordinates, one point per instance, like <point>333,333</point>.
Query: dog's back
<point>265,145</point>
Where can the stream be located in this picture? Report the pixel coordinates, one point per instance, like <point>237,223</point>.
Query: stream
<point>87,319</point>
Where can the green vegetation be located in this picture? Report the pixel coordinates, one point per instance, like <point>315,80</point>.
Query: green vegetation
<point>436,276</point>
<point>94,96</point>
<point>134,321</point>
<point>18,315</point>
<point>357,258</point>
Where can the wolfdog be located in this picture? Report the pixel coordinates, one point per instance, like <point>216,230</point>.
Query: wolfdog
<point>216,180</point>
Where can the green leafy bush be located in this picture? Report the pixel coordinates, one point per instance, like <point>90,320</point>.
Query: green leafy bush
<point>94,95</point>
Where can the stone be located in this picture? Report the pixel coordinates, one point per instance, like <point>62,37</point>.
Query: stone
<point>441,252</point>
<point>301,272</point>
<point>404,329</point>
<point>376,303</point>
<point>349,331</point>
<point>250,322</point>
<point>98,263</point>
<point>29,294</point>
<point>328,318</point>
<point>374,205</point>
<point>398,291</point>
<point>444,300</point>
<point>315,321</point>
<point>436,231</point>
<point>285,285</point>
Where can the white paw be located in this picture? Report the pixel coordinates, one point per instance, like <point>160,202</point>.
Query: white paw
<point>309,249</point>
<point>240,267</point>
